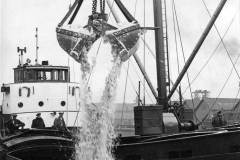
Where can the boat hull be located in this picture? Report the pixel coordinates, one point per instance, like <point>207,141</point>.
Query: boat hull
<point>40,145</point>
<point>193,146</point>
<point>211,145</point>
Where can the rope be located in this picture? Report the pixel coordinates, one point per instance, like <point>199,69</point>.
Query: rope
<point>212,54</point>
<point>222,41</point>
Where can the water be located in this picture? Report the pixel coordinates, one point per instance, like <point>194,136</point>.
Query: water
<point>96,138</point>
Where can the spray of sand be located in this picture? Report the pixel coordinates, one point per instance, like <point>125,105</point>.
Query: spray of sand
<point>96,137</point>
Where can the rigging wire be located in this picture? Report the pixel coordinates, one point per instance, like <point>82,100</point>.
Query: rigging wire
<point>111,7</point>
<point>144,51</point>
<point>139,77</point>
<point>212,54</point>
<point>149,48</point>
<point>235,104</point>
<point>135,8</point>
<point>132,84</point>
<point>222,41</point>
<point>126,81</point>
<point>236,110</point>
<point>70,4</point>
<point>183,53</point>
<point>225,83</point>
<point>67,88</point>
<point>176,43</point>
<point>124,95</point>
<point>75,95</point>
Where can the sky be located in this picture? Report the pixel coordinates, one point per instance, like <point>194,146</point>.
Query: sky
<point>19,19</point>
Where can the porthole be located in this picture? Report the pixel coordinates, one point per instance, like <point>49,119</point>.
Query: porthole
<point>63,103</point>
<point>20,104</point>
<point>40,103</point>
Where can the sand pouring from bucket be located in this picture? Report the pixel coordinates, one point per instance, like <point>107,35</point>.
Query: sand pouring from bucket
<point>77,41</point>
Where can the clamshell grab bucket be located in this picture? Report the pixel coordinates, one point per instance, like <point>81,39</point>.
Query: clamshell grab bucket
<point>124,41</point>
<point>75,42</point>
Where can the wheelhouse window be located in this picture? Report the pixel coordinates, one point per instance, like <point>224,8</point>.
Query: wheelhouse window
<point>55,75</point>
<point>40,74</point>
<point>44,75</point>
<point>29,75</point>
<point>18,75</point>
<point>62,75</point>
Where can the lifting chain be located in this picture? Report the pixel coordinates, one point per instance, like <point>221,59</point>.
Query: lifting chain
<point>102,6</point>
<point>94,6</point>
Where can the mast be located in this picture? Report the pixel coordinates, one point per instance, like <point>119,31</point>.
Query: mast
<point>160,54</point>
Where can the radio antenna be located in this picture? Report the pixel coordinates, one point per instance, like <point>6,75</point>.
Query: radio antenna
<point>37,47</point>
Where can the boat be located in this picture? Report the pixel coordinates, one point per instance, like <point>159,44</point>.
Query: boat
<point>160,135</point>
<point>33,92</point>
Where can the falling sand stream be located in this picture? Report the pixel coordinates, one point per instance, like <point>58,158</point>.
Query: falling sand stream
<point>96,137</point>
